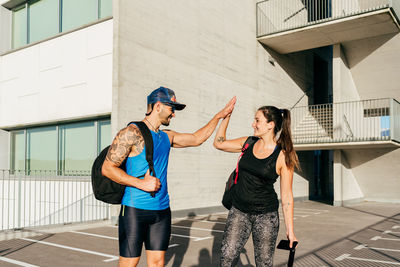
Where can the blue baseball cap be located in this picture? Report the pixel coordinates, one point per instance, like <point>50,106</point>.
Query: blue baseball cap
<point>165,96</point>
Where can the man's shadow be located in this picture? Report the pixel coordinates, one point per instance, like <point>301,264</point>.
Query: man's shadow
<point>181,238</point>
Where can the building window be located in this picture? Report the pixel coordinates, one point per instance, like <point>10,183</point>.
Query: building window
<point>43,19</point>
<point>104,134</point>
<point>105,8</point>
<point>19,26</point>
<point>18,150</point>
<point>77,146</point>
<point>76,13</point>
<point>41,153</point>
<point>40,19</point>
<point>66,148</point>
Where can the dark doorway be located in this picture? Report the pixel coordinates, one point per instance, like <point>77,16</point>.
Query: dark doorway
<point>321,185</point>
<point>321,81</point>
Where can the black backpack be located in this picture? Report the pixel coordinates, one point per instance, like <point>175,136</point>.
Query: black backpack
<point>107,190</point>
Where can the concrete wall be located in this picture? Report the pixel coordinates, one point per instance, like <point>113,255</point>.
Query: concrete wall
<point>367,69</point>
<point>346,187</point>
<point>344,88</point>
<point>207,52</point>
<point>376,172</point>
<point>375,66</point>
<point>62,78</point>
<point>5,29</point>
<point>4,150</point>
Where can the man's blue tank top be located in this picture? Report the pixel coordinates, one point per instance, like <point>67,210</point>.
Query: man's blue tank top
<point>137,166</point>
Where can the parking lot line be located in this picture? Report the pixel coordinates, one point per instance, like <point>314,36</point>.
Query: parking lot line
<point>20,263</point>
<point>396,227</point>
<point>205,221</point>
<point>95,235</point>
<point>390,232</point>
<point>111,257</point>
<point>383,238</point>
<point>195,228</point>
<point>315,210</point>
<point>347,256</point>
<point>373,248</point>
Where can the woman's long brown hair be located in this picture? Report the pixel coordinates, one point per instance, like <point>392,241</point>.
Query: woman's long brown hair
<point>281,118</point>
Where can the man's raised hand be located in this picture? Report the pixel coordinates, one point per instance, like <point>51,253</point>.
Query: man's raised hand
<point>227,110</point>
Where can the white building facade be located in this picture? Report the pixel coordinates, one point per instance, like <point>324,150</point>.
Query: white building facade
<point>73,74</point>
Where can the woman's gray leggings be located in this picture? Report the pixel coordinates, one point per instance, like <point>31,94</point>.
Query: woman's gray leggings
<point>239,225</point>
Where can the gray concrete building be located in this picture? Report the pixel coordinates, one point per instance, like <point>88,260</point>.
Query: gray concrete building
<point>334,63</point>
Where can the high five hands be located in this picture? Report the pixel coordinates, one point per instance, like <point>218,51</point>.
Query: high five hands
<point>227,110</point>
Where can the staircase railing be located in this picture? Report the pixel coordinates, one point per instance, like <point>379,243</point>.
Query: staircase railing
<point>357,121</point>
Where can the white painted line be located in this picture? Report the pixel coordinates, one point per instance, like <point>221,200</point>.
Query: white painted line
<point>359,247</point>
<point>20,263</point>
<point>193,237</point>
<point>205,221</point>
<point>185,236</point>
<point>384,249</point>
<point>347,256</point>
<point>388,232</point>
<point>203,238</point>
<point>382,238</point>
<point>173,245</point>
<point>195,228</point>
<point>111,257</point>
<point>95,235</point>
<point>342,257</point>
<point>302,216</point>
<point>396,227</point>
<point>306,211</point>
<point>315,210</point>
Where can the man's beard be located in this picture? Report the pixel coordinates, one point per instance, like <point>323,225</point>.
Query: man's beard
<point>166,121</point>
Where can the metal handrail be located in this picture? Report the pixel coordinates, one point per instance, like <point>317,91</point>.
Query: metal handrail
<point>274,16</point>
<point>366,120</point>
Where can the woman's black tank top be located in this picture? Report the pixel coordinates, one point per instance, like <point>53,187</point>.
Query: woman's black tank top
<point>254,192</point>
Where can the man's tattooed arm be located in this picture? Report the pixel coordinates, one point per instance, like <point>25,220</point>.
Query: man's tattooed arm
<point>127,140</point>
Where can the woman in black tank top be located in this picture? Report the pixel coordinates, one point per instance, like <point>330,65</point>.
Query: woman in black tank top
<point>255,202</point>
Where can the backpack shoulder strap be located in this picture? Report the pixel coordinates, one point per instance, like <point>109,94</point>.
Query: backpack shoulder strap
<point>148,141</point>
<point>249,141</point>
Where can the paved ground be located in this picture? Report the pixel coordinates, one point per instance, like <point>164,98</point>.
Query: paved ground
<point>366,234</point>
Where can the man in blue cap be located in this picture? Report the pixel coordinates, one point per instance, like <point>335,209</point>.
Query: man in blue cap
<point>146,218</point>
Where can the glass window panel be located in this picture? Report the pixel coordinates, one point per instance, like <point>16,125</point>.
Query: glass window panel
<point>42,148</point>
<point>105,8</point>
<point>43,19</point>
<point>76,13</point>
<point>18,150</point>
<point>104,134</point>
<point>78,146</point>
<point>19,28</point>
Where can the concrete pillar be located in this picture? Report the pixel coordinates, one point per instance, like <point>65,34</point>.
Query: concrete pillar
<point>337,178</point>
